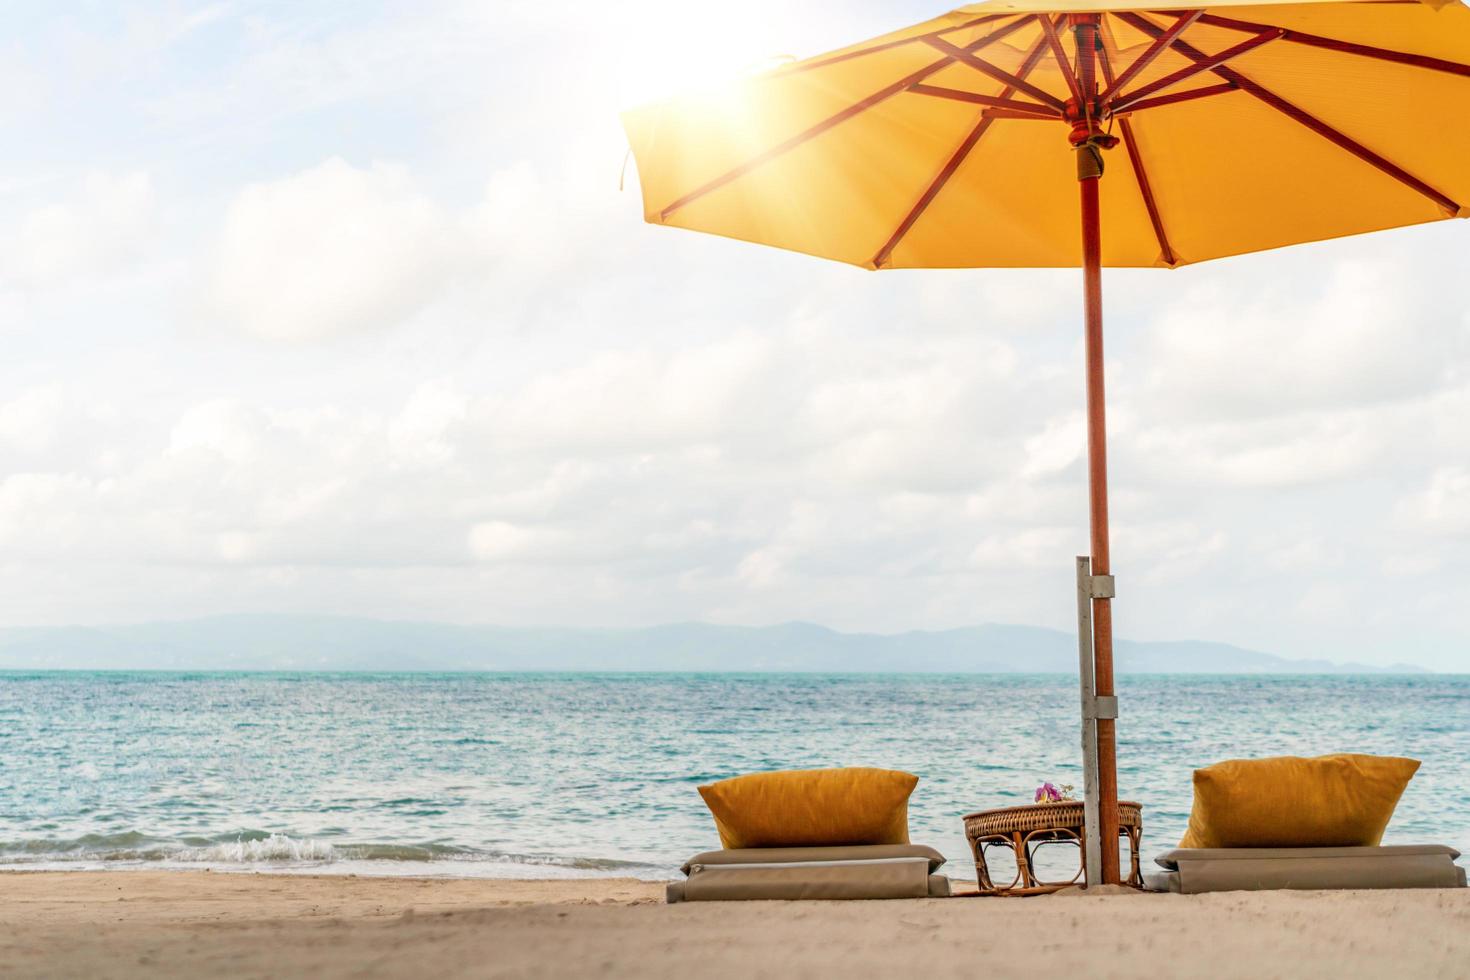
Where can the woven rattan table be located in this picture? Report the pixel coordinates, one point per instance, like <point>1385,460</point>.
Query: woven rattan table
<point>1023,829</point>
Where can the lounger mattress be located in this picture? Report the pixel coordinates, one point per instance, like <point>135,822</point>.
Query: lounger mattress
<point>792,873</point>
<point>1192,871</point>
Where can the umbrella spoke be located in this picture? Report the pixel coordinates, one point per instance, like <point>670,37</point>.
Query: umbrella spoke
<point>1055,43</point>
<point>1104,59</point>
<point>1135,157</point>
<point>953,163</point>
<point>1151,53</point>
<point>1135,154</point>
<point>1121,103</point>
<point>1345,47</point>
<point>1018,114</point>
<point>882,95</point>
<point>1304,118</point>
<point>1186,96</point>
<point>994,101</point>
<point>999,74</point>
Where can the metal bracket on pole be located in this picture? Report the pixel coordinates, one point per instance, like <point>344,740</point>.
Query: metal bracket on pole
<point>1088,588</point>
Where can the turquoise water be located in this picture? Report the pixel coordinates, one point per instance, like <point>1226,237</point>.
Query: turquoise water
<point>580,774</point>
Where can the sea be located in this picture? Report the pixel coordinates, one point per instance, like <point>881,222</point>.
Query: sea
<point>568,775</point>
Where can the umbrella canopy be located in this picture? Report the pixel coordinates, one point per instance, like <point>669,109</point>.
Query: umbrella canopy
<point>1242,127</point>
<point>954,143</point>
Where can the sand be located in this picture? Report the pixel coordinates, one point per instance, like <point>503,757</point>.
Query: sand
<point>200,924</point>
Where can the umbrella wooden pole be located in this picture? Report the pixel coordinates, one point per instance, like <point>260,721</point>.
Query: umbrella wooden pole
<point>1097,484</point>
<point>1097,469</point>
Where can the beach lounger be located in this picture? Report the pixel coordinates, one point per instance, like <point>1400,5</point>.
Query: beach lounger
<point>1192,871</point>
<point>853,872</point>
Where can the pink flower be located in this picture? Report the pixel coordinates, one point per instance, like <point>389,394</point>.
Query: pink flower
<point>1047,793</point>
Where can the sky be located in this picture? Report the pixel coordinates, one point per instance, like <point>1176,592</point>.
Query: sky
<point>339,308</point>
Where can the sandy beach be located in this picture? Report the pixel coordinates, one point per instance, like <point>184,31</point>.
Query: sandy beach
<point>201,924</point>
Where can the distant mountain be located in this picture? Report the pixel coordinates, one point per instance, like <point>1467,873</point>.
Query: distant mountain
<point>259,642</point>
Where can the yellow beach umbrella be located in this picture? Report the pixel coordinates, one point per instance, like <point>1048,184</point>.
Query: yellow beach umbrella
<point>1223,129</point>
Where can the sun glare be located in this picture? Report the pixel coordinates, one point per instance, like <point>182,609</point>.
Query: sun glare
<point>675,49</point>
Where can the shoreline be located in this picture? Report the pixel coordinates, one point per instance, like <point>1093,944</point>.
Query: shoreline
<point>416,870</point>
<point>211,924</point>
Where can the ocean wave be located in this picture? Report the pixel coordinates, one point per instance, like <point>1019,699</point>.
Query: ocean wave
<point>272,849</point>
<point>249,848</point>
<point>263,848</point>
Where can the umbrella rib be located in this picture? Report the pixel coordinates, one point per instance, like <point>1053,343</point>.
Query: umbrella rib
<point>887,46</point>
<point>1304,118</point>
<point>1345,47</point>
<point>882,95</point>
<point>1018,114</point>
<point>1151,53</point>
<point>1106,62</point>
<point>1121,103</point>
<point>1135,157</point>
<point>1186,96</point>
<point>955,160</point>
<point>999,74</point>
<point>1055,43</point>
<point>994,101</point>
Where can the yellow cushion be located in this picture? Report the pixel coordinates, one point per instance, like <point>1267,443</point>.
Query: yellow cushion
<point>812,807</point>
<point>1329,801</point>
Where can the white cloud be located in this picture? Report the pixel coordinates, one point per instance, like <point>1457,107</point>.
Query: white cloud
<point>221,427</point>
<point>1031,548</point>
<point>501,542</point>
<point>99,228</point>
<point>610,399</point>
<point>329,251</point>
<point>1368,330</point>
<point>868,481</point>
<point>1441,508</point>
<point>1056,447</point>
<point>46,510</point>
<point>422,433</point>
<point>1275,451</point>
<point>29,422</point>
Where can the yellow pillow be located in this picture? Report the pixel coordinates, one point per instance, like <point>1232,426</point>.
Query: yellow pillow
<point>812,807</point>
<point>1288,801</point>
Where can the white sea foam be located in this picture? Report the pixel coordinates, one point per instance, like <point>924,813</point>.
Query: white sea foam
<point>277,848</point>
<point>283,853</point>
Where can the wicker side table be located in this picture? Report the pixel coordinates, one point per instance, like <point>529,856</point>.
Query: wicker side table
<point>1022,829</point>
